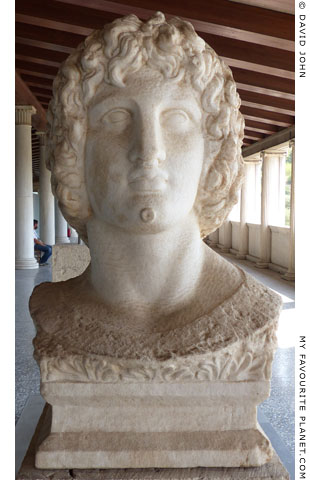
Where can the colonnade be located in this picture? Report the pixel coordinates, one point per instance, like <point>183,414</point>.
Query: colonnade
<point>272,206</point>
<point>53,226</point>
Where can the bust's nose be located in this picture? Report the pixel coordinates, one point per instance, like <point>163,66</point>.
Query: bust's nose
<point>147,149</point>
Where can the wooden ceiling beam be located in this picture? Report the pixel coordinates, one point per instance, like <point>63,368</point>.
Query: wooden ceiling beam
<point>38,82</point>
<point>40,61</point>
<point>26,71</point>
<point>234,49</point>
<point>259,98</point>
<point>40,53</point>
<point>42,99</point>
<point>248,141</point>
<point>269,128</point>
<point>46,45</point>
<point>267,108</point>
<point>282,136</point>
<point>54,38</point>
<point>261,55</point>
<point>265,120</point>
<point>267,114</point>
<point>23,96</point>
<point>265,91</point>
<point>265,130</point>
<point>221,13</point>
<point>37,91</point>
<point>37,69</point>
<point>79,19</point>
<point>249,137</point>
<point>254,67</point>
<point>50,24</point>
<point>262,80</point>
<point>255,135</point>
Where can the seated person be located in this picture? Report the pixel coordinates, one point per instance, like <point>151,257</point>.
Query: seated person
<point>39,245</point>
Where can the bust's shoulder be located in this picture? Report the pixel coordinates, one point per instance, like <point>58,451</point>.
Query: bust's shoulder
<point>50,301</point>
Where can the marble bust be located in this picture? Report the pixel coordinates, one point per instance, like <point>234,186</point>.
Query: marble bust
<point>144,148</point>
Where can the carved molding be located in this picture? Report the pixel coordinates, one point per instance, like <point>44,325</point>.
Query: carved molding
<point>23,114</point>
<point>43,138</point>
<point>226,365</point>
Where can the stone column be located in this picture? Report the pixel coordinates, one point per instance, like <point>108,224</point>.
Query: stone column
<point>47,204</point>
<point>265,238</point>
<point>281,193</point>
<point>61,234</point>
<point>214,238</point>
<point>227,242</point>
<point>244,231</point>
<point>290,274</point>
<point>24,244</point>
<point>74,236</point>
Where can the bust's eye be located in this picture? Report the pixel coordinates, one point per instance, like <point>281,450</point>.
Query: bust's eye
<point>117,116</point>
<point>175,118</point>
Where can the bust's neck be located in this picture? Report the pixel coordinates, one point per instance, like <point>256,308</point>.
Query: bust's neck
<point>145,272</point>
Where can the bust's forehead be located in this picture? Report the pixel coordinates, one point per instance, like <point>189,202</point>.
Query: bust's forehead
<point>148,83</point>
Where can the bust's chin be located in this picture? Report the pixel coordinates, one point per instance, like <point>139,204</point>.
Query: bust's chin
<point>147,218</point>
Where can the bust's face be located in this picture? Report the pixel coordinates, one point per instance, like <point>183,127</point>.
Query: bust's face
<point>144,153</point>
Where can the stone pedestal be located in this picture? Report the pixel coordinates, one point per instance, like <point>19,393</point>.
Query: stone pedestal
<point>24,246</point>
<point>129,398</point>
<point>145,425</point>
<point>272,470</point>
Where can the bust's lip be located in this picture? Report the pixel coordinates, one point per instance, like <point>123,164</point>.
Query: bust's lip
<point>143,184</point>
<point>147,180</point>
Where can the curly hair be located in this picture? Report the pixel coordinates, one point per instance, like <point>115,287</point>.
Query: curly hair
<point>110,55</point>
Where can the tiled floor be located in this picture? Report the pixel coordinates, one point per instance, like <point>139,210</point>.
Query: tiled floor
<point>276,415</point>
<point>26,369</point>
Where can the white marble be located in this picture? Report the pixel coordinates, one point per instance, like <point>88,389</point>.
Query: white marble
<point>145,161</point>
<point>61,232</point>
<point>290,274</point>
<point>280,246</point>
<point>24,246</point>
<point>47,209</point>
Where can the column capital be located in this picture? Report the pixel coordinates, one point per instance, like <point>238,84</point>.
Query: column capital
<point>292,143</point>
<point>43,138</point>
<point>23,114</point>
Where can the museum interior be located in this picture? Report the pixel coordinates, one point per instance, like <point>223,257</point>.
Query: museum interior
<point>255,38</point>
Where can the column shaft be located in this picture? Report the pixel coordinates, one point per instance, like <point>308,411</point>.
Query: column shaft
<point>227,242</point>
<point>74,238</point>
<point>290,274</point>
<point>265,238</point>
<point>61,233</point>
<point>47,208</point>
<point>214,238</point>
<point>243,232</point>
<point>24,244</point>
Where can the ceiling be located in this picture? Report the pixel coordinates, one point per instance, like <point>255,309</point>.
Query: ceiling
<point>254,37</point>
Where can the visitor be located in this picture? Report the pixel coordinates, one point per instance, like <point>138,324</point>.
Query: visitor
<point>41,246</point>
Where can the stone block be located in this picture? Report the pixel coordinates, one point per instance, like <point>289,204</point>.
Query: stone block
<point>97,425</point>
<point>273,470</point>
<point>68,261</point>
